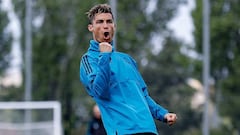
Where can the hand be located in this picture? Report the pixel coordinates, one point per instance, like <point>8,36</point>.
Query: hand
<point>171,118</point>
<point>105,47</point>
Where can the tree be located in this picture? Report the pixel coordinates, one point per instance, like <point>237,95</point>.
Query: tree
<point>134,35</point>
<point>56,52</point>
<point>166,77</point>
<point>5,39</point>
<point>224,40</point>
<point>5,54</point>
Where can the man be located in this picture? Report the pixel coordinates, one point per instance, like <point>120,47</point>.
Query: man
<point>95,126</point>
<point>114,82</point>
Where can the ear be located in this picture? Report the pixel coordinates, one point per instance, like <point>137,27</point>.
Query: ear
<point>90,27</point>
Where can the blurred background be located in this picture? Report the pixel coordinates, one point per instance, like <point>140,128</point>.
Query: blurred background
<point>188,52</point>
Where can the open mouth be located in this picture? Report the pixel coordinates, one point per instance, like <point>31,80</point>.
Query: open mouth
<point>106,34</point>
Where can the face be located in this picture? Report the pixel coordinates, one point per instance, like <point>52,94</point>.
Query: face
<point>102,27</point>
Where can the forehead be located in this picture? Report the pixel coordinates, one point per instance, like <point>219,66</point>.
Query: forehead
<point>103,16</point>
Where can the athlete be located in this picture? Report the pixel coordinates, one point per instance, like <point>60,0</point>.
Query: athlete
<point>112,79</point>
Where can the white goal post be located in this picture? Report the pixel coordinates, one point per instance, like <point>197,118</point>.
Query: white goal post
<point>14,110</point>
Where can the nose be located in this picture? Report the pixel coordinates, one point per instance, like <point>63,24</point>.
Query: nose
<point>105,25</point>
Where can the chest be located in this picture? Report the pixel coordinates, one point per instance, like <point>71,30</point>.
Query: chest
<point>122,68</point>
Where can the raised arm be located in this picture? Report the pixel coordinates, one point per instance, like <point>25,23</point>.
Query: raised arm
<point>95,75</point>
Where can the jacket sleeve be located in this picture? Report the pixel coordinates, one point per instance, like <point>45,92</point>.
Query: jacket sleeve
<point>158,112</point>
<point>95,75</point>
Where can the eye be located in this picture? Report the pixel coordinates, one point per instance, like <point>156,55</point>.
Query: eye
<point>109,21</point>
<point>99,21</point>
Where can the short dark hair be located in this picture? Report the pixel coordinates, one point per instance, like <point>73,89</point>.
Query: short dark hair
<point>100,8</point>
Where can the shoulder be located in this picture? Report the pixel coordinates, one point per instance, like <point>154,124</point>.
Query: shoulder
<point>89,56</point>
<point>125,55</point>
<point>128,58</point>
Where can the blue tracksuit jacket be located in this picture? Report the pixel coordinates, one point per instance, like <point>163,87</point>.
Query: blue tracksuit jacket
<point>116,85</point>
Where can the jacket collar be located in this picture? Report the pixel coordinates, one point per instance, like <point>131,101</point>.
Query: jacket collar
<point>94,46</point>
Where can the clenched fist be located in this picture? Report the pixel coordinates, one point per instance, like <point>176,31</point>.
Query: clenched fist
<point>170,118</point>
<point>105,47</point>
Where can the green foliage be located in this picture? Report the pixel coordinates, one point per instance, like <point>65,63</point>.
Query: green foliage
<point>57,51</point>
<point>225,55</point>
<point>134,34</point>
<point>6,94</point>
<point>5,39</point>
<point>165,75</point>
